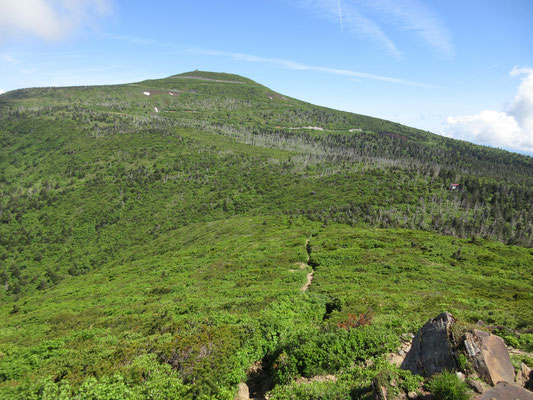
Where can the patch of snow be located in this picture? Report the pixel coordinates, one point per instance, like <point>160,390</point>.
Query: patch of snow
<point>270,97</point>
<point>314,128</point>
<point>356,130</point>
<point>170,93</point>
<point>156,110</point>
<point>146,93</point>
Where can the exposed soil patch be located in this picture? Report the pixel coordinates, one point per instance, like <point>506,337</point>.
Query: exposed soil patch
<point>397,136</point>
<point>397,357</point>
<point>309,281</point>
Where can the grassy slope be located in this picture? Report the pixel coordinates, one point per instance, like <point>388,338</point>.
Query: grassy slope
<point>133,240</point>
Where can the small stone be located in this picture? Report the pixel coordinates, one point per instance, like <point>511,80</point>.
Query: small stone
<point>243,392</point>
<point>395,359</point>
<point>401,352</point>
<point>461,376</point>
<point>476,386</point>
<point>412,395</point>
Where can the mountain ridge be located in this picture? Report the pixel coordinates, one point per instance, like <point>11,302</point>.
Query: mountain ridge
<point>152,238</point>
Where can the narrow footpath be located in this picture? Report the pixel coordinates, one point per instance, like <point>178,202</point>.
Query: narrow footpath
<point>311,274</point>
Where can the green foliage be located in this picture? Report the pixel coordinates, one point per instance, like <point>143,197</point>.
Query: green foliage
<point>522,341</point>
<point>464,364</point>
<point>145,378</point>
<point>408,381</point>
<point>284,369</point>
<point>107,389</point>
<point>526,342</point>
<point>312,391</point>
<point>447,386</point>
<point>321,352</point>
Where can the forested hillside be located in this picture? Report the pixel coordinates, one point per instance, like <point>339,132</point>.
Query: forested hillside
<point>160,238</point>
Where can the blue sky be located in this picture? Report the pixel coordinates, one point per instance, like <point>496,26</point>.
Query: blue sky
<point>458,68</point>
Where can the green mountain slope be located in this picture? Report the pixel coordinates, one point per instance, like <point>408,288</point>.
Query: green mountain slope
<point>153,237</point>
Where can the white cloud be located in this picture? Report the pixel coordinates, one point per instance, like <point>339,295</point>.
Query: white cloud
<point>48,19</point>
<point>2,91</point>
<point>511,129</point>
<point>522,108</point>
<point>367,18</point>
<point>8,59</point>
<point>289,64</point>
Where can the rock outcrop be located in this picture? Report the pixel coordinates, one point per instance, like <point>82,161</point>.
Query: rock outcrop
<point>439,345</point>
<point>489,357</point>
<point>432,350</point>
<point>506,391</point>
<point>524,377</point>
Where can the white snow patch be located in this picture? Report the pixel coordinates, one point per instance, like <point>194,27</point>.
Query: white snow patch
<point>270,97</point>
<point>315,128</point>
<point>356,130</point>
<point>146,93</point>
<point>156,110</point>
<point>170,93</point>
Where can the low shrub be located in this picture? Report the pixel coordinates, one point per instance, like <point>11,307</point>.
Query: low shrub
<point>447,386</point>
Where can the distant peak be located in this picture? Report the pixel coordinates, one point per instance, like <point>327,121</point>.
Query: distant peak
<point>213,76</point>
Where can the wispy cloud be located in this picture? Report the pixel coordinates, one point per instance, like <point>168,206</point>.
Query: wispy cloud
<point>367,19</point>
<point>510,129</point>
<point>48,19</point>
<point>140,40</point>
<point>340,15</point>
<point>8,58</point>
<point>353,19</point>
<point>414,15</point>
<point>2,91</point>
<point>289,64</point>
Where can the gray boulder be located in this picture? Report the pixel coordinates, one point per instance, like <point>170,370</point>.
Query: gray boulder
<point>432,350</point>
<point>489,357</point>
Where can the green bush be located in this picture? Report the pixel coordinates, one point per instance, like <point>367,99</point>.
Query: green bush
<point>328,351</point>
<point>447,386</point>
<point>526,342</point>
<point>408,381</point>
<point>312,391</point>
<point>464,364</point>
<point>284,369</point>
